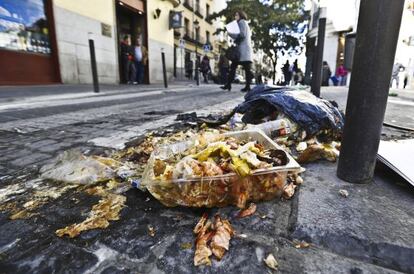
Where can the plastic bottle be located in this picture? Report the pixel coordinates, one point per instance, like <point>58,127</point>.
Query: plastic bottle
<point>275,128</point>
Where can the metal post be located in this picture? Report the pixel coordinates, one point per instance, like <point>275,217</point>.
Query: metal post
<point>197,65</point>
<point>376,42</point>
<point>93,66</point>
<point>164,70</point>
<point>182,64</point>
<point>317,73</point>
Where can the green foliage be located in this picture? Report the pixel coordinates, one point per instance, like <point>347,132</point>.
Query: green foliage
<point>275,24</point>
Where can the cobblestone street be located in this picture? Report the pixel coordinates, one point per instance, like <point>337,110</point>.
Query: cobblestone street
<point>36,129</point>
<point>356,235</point>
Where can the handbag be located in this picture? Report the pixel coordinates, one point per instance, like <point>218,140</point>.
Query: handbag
<point>233,54</point>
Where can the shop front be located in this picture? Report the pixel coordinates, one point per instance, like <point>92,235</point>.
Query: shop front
<point>28,51</point>
<point>131,23</point>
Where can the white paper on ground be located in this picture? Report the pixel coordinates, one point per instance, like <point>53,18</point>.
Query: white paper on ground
<point>398,156</point>
<point>233,27</point>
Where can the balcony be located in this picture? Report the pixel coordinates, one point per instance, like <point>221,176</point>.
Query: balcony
<point>189,38</point>
<point>177,32</point>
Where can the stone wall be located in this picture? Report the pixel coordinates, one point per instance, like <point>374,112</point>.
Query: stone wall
<point>72,38</point>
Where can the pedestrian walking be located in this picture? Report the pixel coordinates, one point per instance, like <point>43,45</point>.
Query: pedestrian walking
<point>395,73</point>
<point>244,47</point>
<point>141,58</point>
<point>405,80</point>
<point>287,73</point>
<point>223,65</point>
<point>341,74</point>
<point>205,68</point>
<point>127,60</point>
<point>259,77</point>
<point>298,79</point>
<point>326,73</point>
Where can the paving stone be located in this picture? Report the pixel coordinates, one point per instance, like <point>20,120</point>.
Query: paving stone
<point>18,152</point>
<point>54,147</point>
<point>30,159</point>
<point>41,143</point>
<point>3,170</point>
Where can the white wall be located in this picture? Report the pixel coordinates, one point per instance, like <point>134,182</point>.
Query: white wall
<point>72,38</point>
<point>160,36</point>
<point>330,49</point>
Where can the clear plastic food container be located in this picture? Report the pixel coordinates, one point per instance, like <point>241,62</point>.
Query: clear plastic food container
<point>223,190</point>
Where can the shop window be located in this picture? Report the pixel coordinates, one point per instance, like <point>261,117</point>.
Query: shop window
<point>24,26</point>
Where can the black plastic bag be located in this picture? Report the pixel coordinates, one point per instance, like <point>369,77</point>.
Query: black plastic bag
<point>311,113</point>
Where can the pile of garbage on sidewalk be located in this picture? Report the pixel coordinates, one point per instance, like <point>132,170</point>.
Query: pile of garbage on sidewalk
<point>249,155</point>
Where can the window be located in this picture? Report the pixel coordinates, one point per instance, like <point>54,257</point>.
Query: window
<point>197,6</point>
<point>197,34</point>
<point>187,27</point>
<point>24,26</point>
<point>207,37</point>
<point>207,10</point>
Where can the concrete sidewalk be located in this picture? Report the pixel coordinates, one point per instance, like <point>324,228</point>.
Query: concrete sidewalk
<point>10,93</point>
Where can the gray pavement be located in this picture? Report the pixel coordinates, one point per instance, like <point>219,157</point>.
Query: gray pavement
<point>371,231</point>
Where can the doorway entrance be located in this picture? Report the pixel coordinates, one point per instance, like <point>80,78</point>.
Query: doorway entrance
<point>131,22</point>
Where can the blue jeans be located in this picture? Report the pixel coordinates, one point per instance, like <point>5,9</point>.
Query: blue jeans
<point>139,66</point>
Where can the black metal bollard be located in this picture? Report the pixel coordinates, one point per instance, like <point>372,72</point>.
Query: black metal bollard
<point>93,66</point>
<point>197,71</point>
<point>377,35</point>
<point>317,73</point>
<point>164,70</point>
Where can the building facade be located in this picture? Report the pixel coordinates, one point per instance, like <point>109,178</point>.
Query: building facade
<point>342,19</point>
<point>196,38</point>
<point>47,41</point>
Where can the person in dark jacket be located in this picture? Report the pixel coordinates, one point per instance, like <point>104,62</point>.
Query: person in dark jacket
<point>244,46</point>
<point>127,60</point>
<point>287,73</point>
<point>205,68</point>
<point>326,73</point>
<point>223,65</point>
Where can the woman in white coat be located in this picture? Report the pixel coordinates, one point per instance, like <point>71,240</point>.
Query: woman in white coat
<point>244,46</point>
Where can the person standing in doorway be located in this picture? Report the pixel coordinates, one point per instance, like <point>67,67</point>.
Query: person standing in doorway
<point>127,60</point>
<point>141,58</point>
<point>189,69</point>
<point>326,73</point>
<point>244,47</point>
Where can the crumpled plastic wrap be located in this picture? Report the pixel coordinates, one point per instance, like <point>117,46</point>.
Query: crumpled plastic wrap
<point>73,167</point>
<point>220,190</point>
